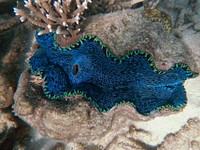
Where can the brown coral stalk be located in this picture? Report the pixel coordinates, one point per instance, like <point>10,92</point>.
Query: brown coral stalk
<point>37,12</point>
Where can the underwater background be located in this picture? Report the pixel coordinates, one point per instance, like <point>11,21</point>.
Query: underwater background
<point>99,74</point>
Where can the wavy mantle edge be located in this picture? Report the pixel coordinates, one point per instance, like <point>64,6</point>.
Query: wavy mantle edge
<point>108,53</point>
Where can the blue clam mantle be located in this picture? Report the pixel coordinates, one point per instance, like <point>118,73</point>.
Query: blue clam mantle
<point>88,67</point>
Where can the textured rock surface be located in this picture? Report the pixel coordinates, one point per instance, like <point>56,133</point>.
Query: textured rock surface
<point>12,55</point>
<point>14,42</point>
<point>192,38</point>
<point>126,30</point>
<point>7,124</point>
<point>78,121</point>
<point>186,138</point>
<point>73,121</point>
<point>6,92</point>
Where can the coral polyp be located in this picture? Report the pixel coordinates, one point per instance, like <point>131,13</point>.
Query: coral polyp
<point>89,68</point>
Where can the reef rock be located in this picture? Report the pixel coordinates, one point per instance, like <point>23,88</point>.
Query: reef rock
<point>77,121</point>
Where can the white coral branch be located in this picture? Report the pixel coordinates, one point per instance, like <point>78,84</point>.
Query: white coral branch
<point>59,17</point>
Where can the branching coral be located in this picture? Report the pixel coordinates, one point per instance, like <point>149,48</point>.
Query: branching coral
<point>62,16</point>
<point>7,20</point>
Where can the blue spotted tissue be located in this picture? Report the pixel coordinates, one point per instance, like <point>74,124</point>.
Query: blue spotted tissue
<point>89,68</point>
